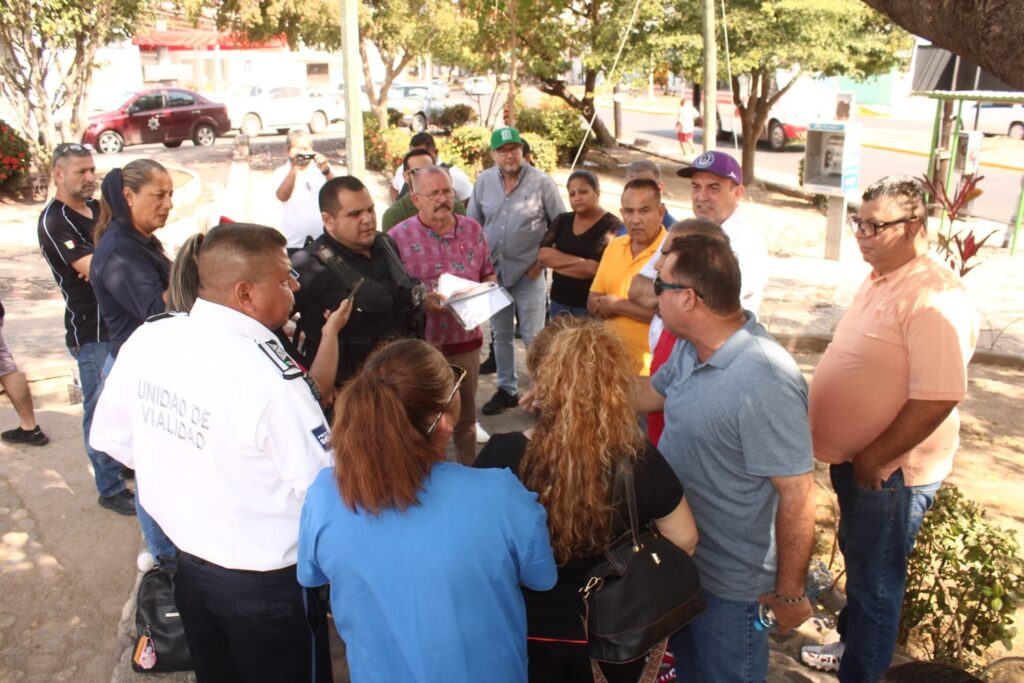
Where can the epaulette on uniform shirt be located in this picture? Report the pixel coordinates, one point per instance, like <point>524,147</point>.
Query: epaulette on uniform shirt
<point>287,366</point>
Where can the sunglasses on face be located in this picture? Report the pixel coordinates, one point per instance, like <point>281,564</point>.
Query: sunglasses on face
<point>460,375</point>
<point>660,286</point>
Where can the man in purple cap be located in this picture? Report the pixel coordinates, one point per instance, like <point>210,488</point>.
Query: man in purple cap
<point>716,189</point>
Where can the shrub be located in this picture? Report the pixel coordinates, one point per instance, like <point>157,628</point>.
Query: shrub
<point>396,144</point>
<point>14,158</point>
<point>468,148</point>
<point>545,156</point>
<point>383,148</point>
<point>453,116</point>
<point>964,582</point>
<point>372,143</point>
<point>558,123</point>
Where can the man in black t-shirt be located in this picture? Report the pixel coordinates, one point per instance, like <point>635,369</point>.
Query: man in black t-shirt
<point>388,303</point>
<point>66,241</point>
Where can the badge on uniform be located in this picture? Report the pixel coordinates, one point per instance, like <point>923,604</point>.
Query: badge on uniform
<point>69,244</point>
<point>323,436</point>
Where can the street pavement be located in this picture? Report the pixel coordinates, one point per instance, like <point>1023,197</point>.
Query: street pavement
<point>895,141</point>
<point>78,621</point>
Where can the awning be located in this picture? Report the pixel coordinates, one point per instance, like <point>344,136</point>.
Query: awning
<point>202,39</point>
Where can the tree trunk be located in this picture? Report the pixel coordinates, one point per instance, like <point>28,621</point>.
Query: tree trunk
<point>585,106</point>
<point>986,33</point>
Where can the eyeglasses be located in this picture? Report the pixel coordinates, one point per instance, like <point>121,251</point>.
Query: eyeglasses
<point>294,274</point>
<point>460,375</point>
<point>447,193</point>
<point>65,148</point>
<point>660,287</point>
<point>865,228</point>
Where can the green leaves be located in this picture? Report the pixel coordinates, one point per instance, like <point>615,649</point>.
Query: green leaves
<point>964,583</point>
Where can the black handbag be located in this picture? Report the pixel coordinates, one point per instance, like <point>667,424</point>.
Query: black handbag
<point>646,589</point>
<point>160,635</point>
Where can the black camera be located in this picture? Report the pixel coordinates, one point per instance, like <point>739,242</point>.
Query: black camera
<point>303,158</point>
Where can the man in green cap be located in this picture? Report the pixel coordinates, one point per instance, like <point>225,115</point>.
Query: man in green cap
<point>515,202</point>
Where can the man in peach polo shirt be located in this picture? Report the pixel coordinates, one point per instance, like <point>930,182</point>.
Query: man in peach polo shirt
<point>883,415</point>
<point>623,258</point>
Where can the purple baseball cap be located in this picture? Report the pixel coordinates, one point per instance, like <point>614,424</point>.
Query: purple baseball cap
<point>718,163</point>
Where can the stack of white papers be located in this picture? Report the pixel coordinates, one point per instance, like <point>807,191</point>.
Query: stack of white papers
<point>472,302</point>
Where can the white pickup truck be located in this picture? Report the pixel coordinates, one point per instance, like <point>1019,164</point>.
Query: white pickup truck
<point>279,108</point>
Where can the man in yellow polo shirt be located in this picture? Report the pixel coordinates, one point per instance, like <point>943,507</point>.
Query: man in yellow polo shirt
<point>624,257</point>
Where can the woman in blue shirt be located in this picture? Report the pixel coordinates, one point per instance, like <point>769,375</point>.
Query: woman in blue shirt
<point>129,274</point>
<point>130,270</point>
<point>425,558</point>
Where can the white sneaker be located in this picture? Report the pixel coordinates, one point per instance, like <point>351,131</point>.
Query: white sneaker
<point>823,657</point>
<point>145,561</point>
<point>481,434</point>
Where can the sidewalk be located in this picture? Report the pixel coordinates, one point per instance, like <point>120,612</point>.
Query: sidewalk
<point>67,567</point>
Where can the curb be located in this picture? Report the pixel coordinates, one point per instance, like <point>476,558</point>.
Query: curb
<point>919,153</point>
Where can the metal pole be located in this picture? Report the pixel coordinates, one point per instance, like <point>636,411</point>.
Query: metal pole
<point>617,108</point>
<point>954,142</point>
<point>932,156</point>
<point>710,75</point>
<point>354,151</point>
<point>513,66</point>
<point>1017,222</point>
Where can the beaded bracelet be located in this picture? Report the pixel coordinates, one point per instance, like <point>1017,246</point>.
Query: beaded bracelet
<point>791,601</point>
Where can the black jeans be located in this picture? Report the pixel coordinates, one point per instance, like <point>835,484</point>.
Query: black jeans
<point>249,626</point>
<point>562,662</point>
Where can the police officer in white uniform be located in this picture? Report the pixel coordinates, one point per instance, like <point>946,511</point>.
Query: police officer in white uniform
<point>225,436</point>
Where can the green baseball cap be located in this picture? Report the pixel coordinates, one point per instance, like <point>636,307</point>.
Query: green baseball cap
<point>504,136</point>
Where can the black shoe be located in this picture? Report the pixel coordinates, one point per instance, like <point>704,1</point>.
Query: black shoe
<point>33,437</point>
<point>127,472</point>
<point>501,400</point>
<point>123,503</point>
<point>489,366</point>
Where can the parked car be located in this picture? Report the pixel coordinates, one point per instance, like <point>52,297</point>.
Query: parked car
<point>338,97</point>
<point>997,118</point>
<point>167,115</point>
<point>280,108</point>
<point>477,86</point>
<point>439,89</point>
<point>413,101</point>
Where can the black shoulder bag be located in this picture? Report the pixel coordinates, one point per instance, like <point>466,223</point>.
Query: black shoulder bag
<point>160,644</point>
<point>646,589</point>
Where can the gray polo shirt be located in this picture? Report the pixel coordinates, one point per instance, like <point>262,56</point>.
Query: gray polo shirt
<point>514,223</point>
<point>730,424</point>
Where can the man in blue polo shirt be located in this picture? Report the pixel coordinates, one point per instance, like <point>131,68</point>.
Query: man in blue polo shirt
<point>66,240</point>
<point>736,435</point>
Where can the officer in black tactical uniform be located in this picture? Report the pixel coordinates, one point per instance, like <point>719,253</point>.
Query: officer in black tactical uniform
<point>350,256</point>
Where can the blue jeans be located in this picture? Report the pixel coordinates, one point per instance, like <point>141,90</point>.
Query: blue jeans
<point>156,540</point>
<point>107,471</point>
<point>721,645</point>
<point>562,309</point>
<point>876,534</point>
<point>529,299</point>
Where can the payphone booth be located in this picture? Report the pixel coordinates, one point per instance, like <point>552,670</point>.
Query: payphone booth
<point>832,168</point>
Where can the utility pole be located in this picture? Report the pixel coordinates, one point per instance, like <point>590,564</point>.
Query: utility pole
<point>354,152</point>
<point>710,76</point>
<point>513,76</point>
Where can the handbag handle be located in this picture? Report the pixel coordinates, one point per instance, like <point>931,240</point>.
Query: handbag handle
<point>624,479</point>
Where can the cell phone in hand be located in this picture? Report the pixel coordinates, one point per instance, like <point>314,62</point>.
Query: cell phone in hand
<point>352,295</point>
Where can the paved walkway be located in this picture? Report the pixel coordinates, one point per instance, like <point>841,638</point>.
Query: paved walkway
<point>50,527</point>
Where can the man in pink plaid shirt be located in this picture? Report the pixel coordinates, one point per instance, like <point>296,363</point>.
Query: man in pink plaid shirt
<point>437,241</point>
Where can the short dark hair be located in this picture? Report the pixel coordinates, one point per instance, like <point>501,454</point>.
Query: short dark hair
<point>643,184</point>
<point>418,152</point>
<point>644,166</point>
<point>328,197</point>
<point>586,176</point>
<point>70,149</point>
<point>423,140</point>
<point>699,226</point>
<point>906,190</point>
<point>709,266</point>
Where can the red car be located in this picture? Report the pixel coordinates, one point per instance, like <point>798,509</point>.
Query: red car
<point>167,115</point>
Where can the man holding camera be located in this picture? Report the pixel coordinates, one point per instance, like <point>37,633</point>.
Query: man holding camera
<point>297,186</point>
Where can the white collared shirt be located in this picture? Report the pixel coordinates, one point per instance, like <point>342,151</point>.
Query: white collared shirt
<point>751,251</point>
<point>300,215</point>
<point>223,445</point>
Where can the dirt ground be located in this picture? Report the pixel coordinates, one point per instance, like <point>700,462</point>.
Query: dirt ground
<point>67,567</point>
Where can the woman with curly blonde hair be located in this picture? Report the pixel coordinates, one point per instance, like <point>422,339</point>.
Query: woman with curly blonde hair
<point>587,427</point>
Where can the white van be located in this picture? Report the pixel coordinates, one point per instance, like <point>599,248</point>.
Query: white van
<point>810,99</point>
